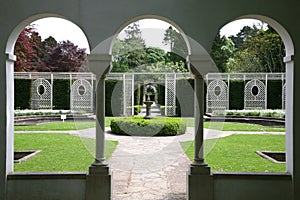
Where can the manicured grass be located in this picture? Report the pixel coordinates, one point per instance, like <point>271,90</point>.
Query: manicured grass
<point>60,152</point>
<point>236,153</point>
<point>232,126</point>
<point>78,125</point>
<point>62,126</point>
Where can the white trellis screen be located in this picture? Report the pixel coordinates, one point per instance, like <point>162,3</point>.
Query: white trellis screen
<point>283,96</point>
<point>170,94</point>
<point>217,96</point>
<point>128,94</point>
<point>82,96</point>
<point>41,94</point>
<point>255,95</point>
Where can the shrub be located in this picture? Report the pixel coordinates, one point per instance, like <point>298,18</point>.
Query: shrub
<point>137,109</point>
<point>138,126</point>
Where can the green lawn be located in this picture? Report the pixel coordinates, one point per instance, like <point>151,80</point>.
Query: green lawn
<point>71,125</point>
<point>60,152</point>
<point>62,126</point>
<point>233,126</point>
<point>236,153</point>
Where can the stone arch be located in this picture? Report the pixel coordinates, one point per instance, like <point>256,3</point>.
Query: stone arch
<point>9,50</point>
<point>289,63</point>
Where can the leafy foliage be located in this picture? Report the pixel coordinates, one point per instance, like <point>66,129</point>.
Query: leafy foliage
<point>65,57</point>
<point>131,54</point>
<point>28,50</point>
<point>33,54</point>
<point>254,50</point>
<point>222,49</point>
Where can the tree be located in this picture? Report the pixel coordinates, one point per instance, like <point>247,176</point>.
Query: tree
<point>50,42</point>
<point>222,49</point>
<point>28,49</point>
<point>263,52</point>
<point>129,52</point>
<point>65,57</point>
<point>245,33</point>
<point>178,48</point>
<point>33,54</point>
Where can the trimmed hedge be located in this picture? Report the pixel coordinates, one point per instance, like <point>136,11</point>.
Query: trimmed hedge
<point>61,94</point>
<point>236,95</point>
<point>274,95</point>
<point>22,93</point>
<point>138,126</point>
<point>113,106</point>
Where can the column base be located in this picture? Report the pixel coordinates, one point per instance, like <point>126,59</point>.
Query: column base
<point>98,183</point>
<point>200,183</point>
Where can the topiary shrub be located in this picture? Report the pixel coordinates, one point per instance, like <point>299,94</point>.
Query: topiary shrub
<point>138,126</point>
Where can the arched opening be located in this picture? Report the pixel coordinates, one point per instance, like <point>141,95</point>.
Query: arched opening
<point>152,77</point>
<point>257,85</point>
<point>50,90</point>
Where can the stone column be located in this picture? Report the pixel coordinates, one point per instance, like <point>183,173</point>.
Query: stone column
<point>100,122</point>
<point>199,128</point>
<point>98,183</point>
<point>6,120</point>
<point>200,180</point>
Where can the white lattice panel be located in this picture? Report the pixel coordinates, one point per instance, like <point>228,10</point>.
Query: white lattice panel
<point>255,95</point>
<point>170,94</point>
<point>41,94</point>
<point>128,98</point>
<point>283,96</point>
<point>217,96</point>
<point>82,96</point>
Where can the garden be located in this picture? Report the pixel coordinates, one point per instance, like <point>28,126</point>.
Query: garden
<point>61,151</point>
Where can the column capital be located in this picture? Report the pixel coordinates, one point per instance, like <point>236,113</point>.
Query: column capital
<point>11,57</point>
<point>200,65</point>
<point>288,59</point>
<point>100,64</point>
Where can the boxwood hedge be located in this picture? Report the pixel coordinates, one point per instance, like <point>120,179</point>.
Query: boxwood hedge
<point>137,126</point>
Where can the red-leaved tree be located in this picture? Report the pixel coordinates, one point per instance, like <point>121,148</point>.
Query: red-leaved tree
<point>36,55</point>
<point>29,51</point>
<point>65,57</point>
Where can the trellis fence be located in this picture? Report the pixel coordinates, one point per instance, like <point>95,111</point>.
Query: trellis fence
<point>82,87</point>
<point>255,89</point>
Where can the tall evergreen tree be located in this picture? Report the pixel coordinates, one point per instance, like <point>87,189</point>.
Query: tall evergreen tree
<point>222,49</point>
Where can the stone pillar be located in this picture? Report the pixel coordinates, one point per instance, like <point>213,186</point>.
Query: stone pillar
<point>199,129</point>
<point>100,122</point>
<point>6,120</point>
<point>200,180</point>
<point>98,182</point>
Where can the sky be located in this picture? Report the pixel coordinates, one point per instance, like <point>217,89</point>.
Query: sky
<point>152,30</point>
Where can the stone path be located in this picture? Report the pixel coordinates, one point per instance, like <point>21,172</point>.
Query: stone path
<point>149,168</point>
